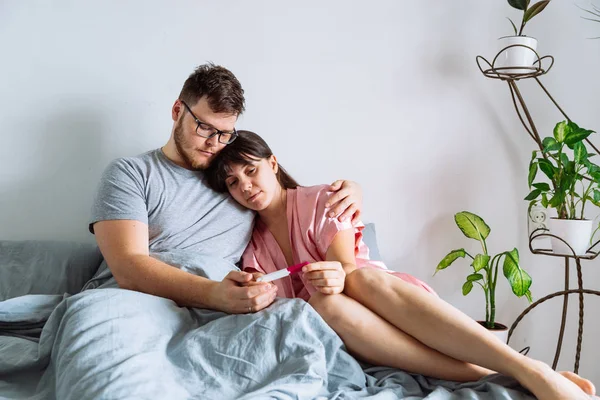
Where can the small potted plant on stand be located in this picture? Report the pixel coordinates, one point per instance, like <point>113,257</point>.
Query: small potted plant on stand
<point>522,53</point>
<point>485,270</point>
<point>573,182</point>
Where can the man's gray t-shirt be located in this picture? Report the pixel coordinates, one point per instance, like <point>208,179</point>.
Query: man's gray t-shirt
<point>182,212</point>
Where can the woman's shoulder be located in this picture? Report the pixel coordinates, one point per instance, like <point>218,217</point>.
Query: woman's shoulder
<point>316,191</point>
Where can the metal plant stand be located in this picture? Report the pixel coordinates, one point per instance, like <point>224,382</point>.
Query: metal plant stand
<point>511,77</point>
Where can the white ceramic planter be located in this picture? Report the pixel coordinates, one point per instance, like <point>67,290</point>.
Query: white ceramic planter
<point>517,56</point>
<point>576,232</point>
<point>501,331</point>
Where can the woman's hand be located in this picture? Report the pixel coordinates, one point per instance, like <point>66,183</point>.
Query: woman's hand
<point>327,277</point>
<point>346,202</point>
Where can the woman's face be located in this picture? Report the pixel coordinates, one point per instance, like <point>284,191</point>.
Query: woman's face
<point>254,186</point>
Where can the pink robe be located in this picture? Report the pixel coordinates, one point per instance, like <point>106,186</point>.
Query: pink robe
<point>311,233</point>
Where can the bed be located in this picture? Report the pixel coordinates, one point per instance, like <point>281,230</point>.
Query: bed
<point>68,332</point>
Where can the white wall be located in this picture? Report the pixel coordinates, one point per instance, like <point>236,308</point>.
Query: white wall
<point>386,93</point>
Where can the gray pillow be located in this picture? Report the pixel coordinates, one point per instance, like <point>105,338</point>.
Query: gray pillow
<point>370,239</point>
<point>45,267</point>
<point>54,267</point>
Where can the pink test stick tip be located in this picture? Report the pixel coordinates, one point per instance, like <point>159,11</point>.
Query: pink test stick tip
<point>297,268</point>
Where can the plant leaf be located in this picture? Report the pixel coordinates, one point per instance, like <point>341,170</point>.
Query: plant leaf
<point>561,130</point>
<point>564,159</point>
<point>576,136</point>
<point>450,258</point>
<point>519,280</point>
<point>519,4</point>
<point>535,10</point>
<point>532,203</point>
<point>533,195</point>
<point>513,25</point>
<point>474,277</point>
<point>533,168</point>
<point>543,186</point>
<point>596,195</point>
<point>533,155</point>
<point>550,144</point>
<point>593,167</point>
<point>546,167</point>
<point>528,295</point>
<point>580,152</point>
<point>473,226</point>
<point>557,200</point>
<point>544,200</point>
<point>480,261</point>
<point>467,287</point>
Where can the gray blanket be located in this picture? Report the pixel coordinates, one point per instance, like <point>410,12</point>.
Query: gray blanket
<point>110,343</point>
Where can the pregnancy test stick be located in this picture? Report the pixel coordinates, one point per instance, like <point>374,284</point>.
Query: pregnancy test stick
<point>282,273</point>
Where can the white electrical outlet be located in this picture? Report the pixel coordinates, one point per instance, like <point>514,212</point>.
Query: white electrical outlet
<point>537,218</point>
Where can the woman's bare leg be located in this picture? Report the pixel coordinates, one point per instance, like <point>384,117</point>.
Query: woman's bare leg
<point>442,327</point>
<point>371,338</point>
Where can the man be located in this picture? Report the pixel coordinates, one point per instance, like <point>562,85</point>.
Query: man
<point>158,202</point>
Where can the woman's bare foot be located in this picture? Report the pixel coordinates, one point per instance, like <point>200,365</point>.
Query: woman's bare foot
<point>547,384</point>
<point>586,385</point>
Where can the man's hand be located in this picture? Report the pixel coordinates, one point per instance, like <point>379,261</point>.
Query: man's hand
<point>346,202</point>
<point>232,297</point>
<point>255,276</point>
<point>327,277</point>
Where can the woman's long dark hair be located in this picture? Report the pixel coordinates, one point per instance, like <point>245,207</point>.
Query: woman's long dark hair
<point>248,147</point>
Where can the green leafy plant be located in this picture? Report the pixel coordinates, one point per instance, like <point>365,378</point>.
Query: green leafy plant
<point>573,181</point>
<point>595,11</point>
<point>528,12</point>
<point>485,268</point>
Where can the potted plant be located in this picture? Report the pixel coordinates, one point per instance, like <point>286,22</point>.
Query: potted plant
<point>485,270</point>
<point>574,181</point>
<point>522,54</point>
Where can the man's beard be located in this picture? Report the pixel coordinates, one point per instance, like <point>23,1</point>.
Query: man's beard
<point>183,147</point>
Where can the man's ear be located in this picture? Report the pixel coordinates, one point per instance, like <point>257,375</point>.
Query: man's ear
<point>176,110</point>
<point>273,163</point>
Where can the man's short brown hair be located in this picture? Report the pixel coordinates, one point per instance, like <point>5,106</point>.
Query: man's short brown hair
<point>221,88</point>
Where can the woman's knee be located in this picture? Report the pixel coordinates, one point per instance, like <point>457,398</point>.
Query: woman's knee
<point>363,278</point>
<point>368,284</point>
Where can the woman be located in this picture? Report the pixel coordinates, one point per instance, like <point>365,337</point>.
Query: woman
<point>381,319</point>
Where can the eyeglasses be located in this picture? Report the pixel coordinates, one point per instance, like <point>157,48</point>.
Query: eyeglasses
<point>207,131</point>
